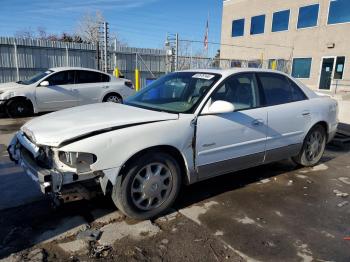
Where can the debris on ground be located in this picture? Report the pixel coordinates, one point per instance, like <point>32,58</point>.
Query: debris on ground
<point>342,204</point>
<point>338,193</point>
<point>89,235</point>
<point>101,251</point>
<point>290,183</point>
<point>37,255</point>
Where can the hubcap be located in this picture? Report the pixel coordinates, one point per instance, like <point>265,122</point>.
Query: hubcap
<point>113,99</point>
<point>314,145</point>
<point>151,186</point>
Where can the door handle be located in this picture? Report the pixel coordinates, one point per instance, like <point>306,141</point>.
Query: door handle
<point>306,113</point>
<point>258,122</point>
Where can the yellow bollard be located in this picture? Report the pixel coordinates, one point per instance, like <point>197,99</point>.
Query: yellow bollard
<point>137,80</point>
<point>116,72</point>
<point>274,65</point>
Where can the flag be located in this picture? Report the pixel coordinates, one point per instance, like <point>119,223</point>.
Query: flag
<point>206,37</point>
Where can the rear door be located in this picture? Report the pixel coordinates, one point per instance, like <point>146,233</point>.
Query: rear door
<point>90,86</point>
<point>232,141</point>
<point>288,115</point>
<point>59,94</point>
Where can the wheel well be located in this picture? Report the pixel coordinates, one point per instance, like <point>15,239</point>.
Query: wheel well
<point>175,153</point>
<point>20,98</point>
<point>324,125</point>
<point>112,93</point>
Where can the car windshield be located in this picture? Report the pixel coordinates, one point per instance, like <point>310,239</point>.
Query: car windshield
<point>35,78</point>
<point>175,93</point>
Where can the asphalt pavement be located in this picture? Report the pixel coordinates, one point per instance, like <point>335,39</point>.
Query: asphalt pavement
<point>276,212</point>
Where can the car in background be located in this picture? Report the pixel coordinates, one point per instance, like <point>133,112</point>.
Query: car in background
<point>183,128</point>
<point>60,88</point>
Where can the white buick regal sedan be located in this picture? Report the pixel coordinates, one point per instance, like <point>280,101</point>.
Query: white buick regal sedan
<point>60,88</point>
<point>183,128</point>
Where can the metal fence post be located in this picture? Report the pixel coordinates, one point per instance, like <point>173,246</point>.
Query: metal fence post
<point>16,60</point>
<point>67,56</point>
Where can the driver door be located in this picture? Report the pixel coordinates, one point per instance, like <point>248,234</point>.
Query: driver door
<point>59,94</point>
<point>232,141</point>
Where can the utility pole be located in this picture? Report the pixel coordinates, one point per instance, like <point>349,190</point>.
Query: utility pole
<point>172,52</point>
<point>104,45</point>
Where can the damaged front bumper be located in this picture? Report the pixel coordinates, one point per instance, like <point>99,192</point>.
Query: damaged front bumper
<point>50,180</point>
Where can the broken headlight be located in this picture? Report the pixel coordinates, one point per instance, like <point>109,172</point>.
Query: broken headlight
<point>79,161</point>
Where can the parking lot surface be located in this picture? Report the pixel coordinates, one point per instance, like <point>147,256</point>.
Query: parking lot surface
<point>277,212</point>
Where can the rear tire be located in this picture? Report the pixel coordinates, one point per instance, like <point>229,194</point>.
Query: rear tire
<point>19,108</point>
<point>149,186</point>
<point>114,98</point>
<point>313,147</point>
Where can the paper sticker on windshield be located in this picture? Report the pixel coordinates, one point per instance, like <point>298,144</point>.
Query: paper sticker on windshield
<point>203,76</point>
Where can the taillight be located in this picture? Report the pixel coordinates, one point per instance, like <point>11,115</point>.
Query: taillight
<point>129,84</point>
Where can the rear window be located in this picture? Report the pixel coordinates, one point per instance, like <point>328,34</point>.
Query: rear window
<point>84,77</point>
<point>278,89</point>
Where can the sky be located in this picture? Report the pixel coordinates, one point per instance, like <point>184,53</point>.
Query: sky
<point>139,23</point>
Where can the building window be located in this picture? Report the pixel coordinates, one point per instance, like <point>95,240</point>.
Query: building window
<point>301,67</point>
<point>308,16</point>
<point>257,25</point>
<point>339,12</point>
<point>280,21</point>
<point>238,27</point>
<point>339,67</point>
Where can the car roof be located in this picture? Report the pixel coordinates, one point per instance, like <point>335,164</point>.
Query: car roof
<point>227,72</point>
<point>59,69</point>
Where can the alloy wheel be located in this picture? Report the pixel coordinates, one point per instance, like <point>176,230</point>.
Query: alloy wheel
<point>151,186</point>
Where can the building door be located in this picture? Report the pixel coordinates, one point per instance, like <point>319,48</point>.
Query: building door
<point>326,73</point>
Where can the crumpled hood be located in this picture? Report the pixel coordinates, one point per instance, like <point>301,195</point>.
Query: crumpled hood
<point>10,86</point>
<point>56,128</point>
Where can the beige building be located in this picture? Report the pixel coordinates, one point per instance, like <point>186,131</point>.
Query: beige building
<point>309,37</point>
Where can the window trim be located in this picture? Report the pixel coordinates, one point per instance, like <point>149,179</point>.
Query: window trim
<point>318,16</point>
<point>250,29</point>
<point>299,57</point>
<point>327,24</point>
<point>244,27</point>
<point>289,21</point>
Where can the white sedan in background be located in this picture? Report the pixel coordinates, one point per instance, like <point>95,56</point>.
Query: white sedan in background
<point>60,88</point>
<point>183,128</point>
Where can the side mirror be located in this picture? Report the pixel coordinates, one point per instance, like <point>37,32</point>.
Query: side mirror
<point>44,83</point>
<point>219,107</point>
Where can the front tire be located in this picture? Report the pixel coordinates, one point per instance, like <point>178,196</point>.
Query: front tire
<point>313,147</point>
<point>149,186</point>
<point>19,108</point>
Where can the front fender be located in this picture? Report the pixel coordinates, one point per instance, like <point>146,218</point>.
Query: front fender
<point>115,148</point>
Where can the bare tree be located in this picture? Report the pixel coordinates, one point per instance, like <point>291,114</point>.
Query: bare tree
<point>26,33</point>
<point>88,27</point>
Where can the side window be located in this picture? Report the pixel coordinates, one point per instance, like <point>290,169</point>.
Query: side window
<point>105,78</point>
<point>277,89</point>
<point>85,77</point>
<point>61,78</point>
<point>298,94</point>
<point>240,90</point>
